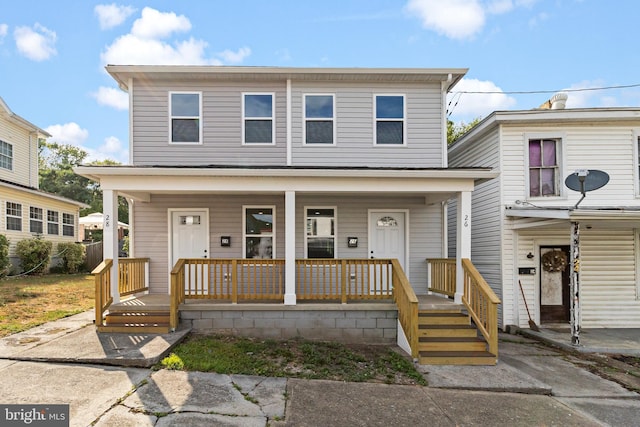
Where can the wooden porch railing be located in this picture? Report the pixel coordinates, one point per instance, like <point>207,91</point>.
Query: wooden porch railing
<point>102,277</point>
<point>482,304</point>
<point>133,275</point>
<point>407,303</point>
<point>344,279</point>
<point>477,296</point>
<point>443,276</point>
<point>177,293</point>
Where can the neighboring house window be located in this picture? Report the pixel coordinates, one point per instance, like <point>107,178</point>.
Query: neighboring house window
<point>186,121</point>
<point>321,232</point>
<point>257,118</point>
<point>35,220</point>
<point>68,224</point>
<point>53,222</point>
<point>319,119</point>
<point>259,232</point>
<point>6,155</point>
<point>14,216</point>
<point>543,168</point>
<point>389,120</point>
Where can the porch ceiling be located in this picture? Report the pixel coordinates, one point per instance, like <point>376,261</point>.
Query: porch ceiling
<point>561,217</point>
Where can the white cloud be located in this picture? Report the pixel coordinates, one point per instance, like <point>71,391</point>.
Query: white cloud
<point>472,105</point>
<point>231,57</point>
<point>112,15</point>
<point>499,6</point>
<point>68,133</point>
<point>155,24</point>
<point>112,97</point>
<point>112,149</point>
<point>4,28</point>
<point>144,45</point>
<point>37,43</point>
<point>456,19</point>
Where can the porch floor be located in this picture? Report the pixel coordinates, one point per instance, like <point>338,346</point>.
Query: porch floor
<point>160,302</point>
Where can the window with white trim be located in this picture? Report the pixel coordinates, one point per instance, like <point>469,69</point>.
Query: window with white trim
<point>258,118</point>
<point>544,169</point>
<point>68,224</point>
<point>53,223</point>
<point>13,217</point>
<point>321,232</point>
<point>6,155</point>
<point>35,220</point>
<point>389,120</point>
<point>185,110</point>
<point>259,231</point>
<point>319,118</point>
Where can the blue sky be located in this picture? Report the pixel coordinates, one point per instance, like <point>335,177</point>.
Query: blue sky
<point>53,53</point>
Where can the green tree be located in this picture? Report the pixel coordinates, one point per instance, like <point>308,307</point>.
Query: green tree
<point>56,163</point>
<point>456,130</point>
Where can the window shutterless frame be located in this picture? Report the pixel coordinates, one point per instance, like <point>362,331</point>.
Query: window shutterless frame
<point>319,119</point>
<point>35,220</point>
<point>6,155</point>
<point>544,163</point>
<point>13,216</point>
<point>258,118</point>
<point>185,118</point>
<point>321,230</point>
<point>68,224</point>
<point>53,223</point>
<point>259,232</point>
<point>389,120</point>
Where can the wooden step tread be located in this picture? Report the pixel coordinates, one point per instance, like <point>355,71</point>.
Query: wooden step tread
<point>441,326</point>
<point>440,314</point>
<point>454,354</point>
<point>133,329</point>
<point>450,339</point>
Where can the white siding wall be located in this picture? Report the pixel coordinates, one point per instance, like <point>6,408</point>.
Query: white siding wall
<point>225,218</point>
<point>25,164</point>
<point>608,276</point>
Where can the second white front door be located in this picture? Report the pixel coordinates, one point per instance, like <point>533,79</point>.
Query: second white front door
<point>387,236</point>
<point>190,239</point>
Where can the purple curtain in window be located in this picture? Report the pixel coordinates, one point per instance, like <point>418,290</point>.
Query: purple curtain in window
<point>549,152</point>
<point>534,182</point>
<point>548,182</point>
<point>535,153</point>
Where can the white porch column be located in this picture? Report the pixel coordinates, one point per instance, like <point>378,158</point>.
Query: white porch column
<point>110,237</point>
<point>463,240</point>
<point>290,247</point>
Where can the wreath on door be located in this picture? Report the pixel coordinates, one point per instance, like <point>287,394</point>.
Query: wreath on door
<point>553,261</point>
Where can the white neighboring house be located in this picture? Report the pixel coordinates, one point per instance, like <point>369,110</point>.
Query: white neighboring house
<point>25,210</point>
<point>521,229</point>
<point>95,221</point>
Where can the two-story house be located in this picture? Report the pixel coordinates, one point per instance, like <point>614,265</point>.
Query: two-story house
<point>523,220</point>
<point>27,211</point>
<point>304,187</point>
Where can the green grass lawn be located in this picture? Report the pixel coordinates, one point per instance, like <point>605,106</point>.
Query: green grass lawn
<point>296,358</point>
<point>30,301</point>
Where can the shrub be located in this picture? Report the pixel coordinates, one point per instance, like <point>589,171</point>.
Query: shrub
<point>5,263</point>
<point>34,254</point>
<point>72,255</point>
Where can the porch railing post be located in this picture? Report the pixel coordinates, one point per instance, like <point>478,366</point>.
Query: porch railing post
<point>234,281</point>
<point>343,282</point>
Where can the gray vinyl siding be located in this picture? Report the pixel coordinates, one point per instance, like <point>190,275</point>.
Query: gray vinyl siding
<point>225,218</point>
<point>222,126</point>
<point>355,126</point>
<point>221,120</point>
<point>486,215</point>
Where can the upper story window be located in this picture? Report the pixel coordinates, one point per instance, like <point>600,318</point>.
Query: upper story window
<point>543,168</point>
<point>258,118</point>
<point>389,120</point>
<point>68,224</point>
<point>6,155</point>
<point>319,118</point>
<point>35,220</point>
<point>53,222</point>
<point>321,232</point>
<point>186,121</point>
<point>13,216</point>
<point>259,232</point>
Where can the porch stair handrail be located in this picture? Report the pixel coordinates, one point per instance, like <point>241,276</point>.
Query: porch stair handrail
<point>443,276</point>
<point>407,302</point>
<point>482,304</point>
<point>103,298</point>
<point>133,275</point>
<point>177,293</point>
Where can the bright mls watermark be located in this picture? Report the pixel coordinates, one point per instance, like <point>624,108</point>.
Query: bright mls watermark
<point>34,415</point>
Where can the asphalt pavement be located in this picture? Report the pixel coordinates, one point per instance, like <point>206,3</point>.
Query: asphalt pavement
<point>107,381</point>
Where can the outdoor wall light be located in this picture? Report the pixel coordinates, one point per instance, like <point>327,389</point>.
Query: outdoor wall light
<point>352,242</point>
<point>530,255</point>
<point>225,241</point>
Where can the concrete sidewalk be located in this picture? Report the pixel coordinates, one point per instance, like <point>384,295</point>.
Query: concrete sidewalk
<point>105,381</point>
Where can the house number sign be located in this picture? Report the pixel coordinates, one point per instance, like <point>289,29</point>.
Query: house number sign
<point>107,221</point>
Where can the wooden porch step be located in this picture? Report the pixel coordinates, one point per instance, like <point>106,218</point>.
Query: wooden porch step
<point>136,329</point>
<point>457,358</point>
<point>136,318</point>
<point>471,344</point>
<point>442,318</point>
<point>447,331</point>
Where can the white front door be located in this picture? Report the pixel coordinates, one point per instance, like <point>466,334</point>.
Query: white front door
<point>190,239</point>
<point>387,237</point>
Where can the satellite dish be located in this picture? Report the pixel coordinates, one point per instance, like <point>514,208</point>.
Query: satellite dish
<point>584,180</point>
